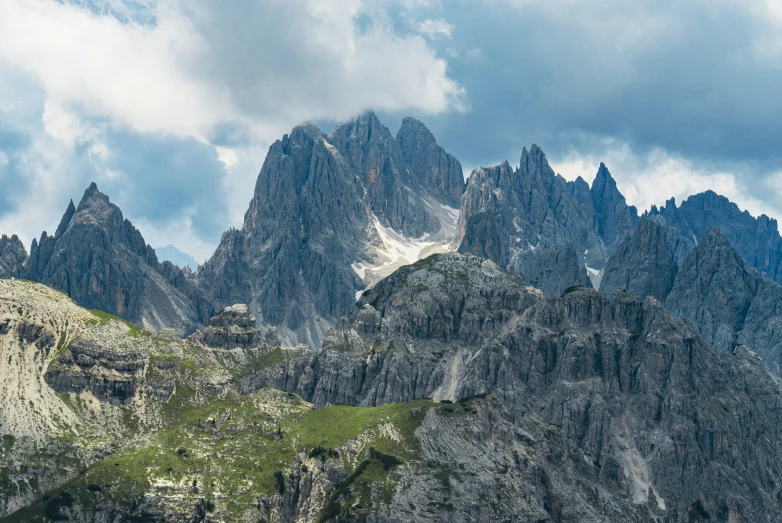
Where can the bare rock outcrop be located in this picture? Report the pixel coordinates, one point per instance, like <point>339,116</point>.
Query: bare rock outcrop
<point>633,391</point>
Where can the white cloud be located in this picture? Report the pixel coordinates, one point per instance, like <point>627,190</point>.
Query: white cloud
<point>48,166</point>
<point>653,178</point>
<point>475,54</point>
<point>199,69</point>
<point>227,156</point>
<point>435,28</point>
<point>3,159</point>
<point>303,59</point>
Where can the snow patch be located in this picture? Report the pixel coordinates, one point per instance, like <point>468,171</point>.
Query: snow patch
<point>595,276</point>
<point>360,269</point>
<point>396,250</point>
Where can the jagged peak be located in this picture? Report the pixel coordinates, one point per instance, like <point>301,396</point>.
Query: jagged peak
<point>366,118</point>
<point>13,238</point>
<point>713,239</point>
<point>304,132</point>
<point>580,181</point>
<point>534,162</point>
<point>92,193</point>
<point>411,121</point>
<point>415,125</point>
<point>368,115</point>
<point>603,179</point>
<point>364,127</point>
<point>66,218</point>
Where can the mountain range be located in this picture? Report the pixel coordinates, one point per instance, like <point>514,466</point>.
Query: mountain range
<point>177,257</point>
<point>383,341</point>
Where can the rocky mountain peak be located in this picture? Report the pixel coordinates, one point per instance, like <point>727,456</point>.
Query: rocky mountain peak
<point>714,287</point>
<point>101,261</point>
<point>12,256</point>
<point>302,134</point>
<point>327,212</point>
<point>757,240</point>
<point>643,263</point>
<point>613,216</point>
<point>393,193</point>
<point>437,171</point>
<point>533,163</point>
<point>66,219</point>
<point>92,191</point>
<point>362,130</point>
<point>517,220</point>
<point>715,240</point>
<point>96,210</point>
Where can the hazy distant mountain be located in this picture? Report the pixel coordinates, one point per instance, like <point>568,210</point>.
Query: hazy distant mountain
<point>175,256</point>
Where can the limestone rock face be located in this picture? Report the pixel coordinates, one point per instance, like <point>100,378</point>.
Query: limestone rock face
<point>613,217</point>
<point>729,301</point>
<point>643,263</point>
<point>231,328</point>
<point>516,217</point>
<point>110,375</point>
<point>392,193</point>
<point>557,269</point>
<point>622,380</point>
<point>291,262</point>
<point>12,256</point>
<point>726,299</point>
<point>101,260</point>
<point>437,171</point>
<point>757,240</point>
<point>715,289</point>
<point>324,205</point>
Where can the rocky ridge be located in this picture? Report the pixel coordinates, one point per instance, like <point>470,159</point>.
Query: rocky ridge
<point>432,167</point>
<point>757,240</point>
<point>621,379</point>
<point>518,217</point>
<point>584,407</point>
<point>714,287</point>
<point>643,263</point>
<point>101,260</point>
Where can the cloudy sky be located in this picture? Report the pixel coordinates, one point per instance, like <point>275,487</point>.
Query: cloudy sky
<point>170,105</point>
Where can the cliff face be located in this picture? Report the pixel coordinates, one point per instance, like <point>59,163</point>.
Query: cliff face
<point>643,263</point>
<point>527,218</point>
<point>101,260</point>
<point>12,256</point>
<point>757,240</point>
<point>438,172</point>
<point>326,211</point>
<point>726,299</point>
<point>622,378</point>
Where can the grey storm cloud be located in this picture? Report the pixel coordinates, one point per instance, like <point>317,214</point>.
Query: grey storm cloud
<point>699,79</point>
